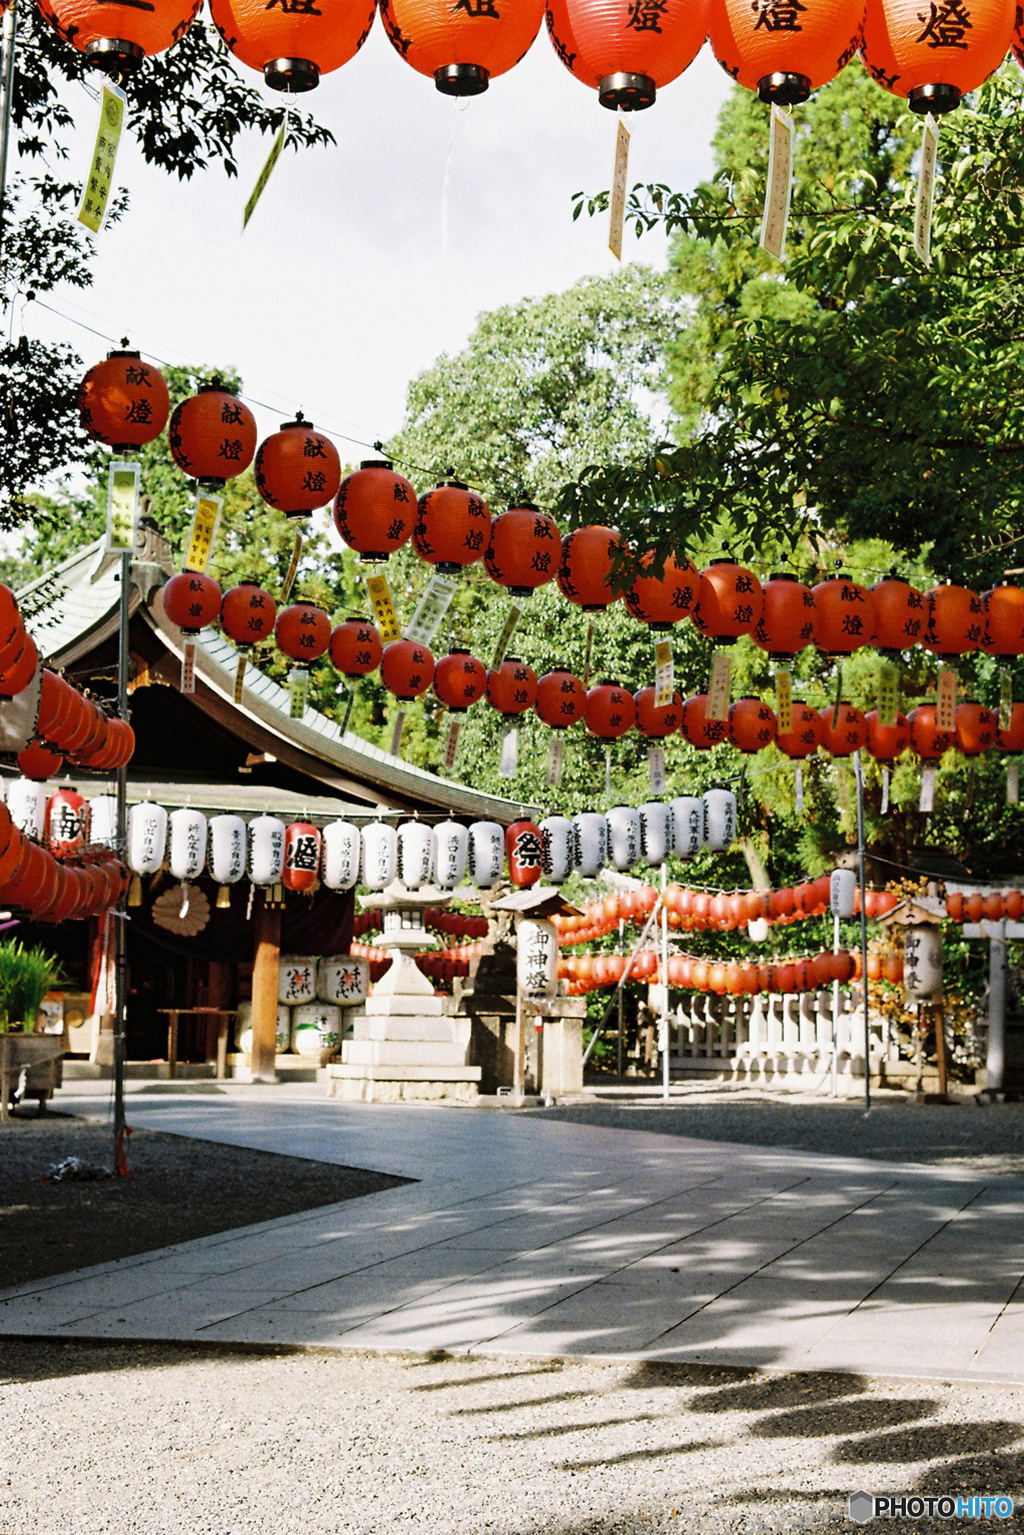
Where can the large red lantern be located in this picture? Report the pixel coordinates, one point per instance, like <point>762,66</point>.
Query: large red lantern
<point>664,600</point>
<point>561,699</point>
<point>849,732</point>
<point>116,36</point>
<point>512,687</point>
<point>460,680</point>
<point>844,616</point>
<point>17,673</point>
<point>355,648</point>
<point>975,730</point>
<point>900,614</point>
<point>303,631</point>
<point>697,728</point>
<point>934,55</point>
<point>783,52</point>
<point>1003,610</point>
<point>730,601</point>
<point>406,669</point>
<point>657,721</point>
<point>887,742</point>
<point>122,400</point>
<point>926,738</point>
<point>786,624</point>
<point>297,469</point>
<point>212,435</point>
<point>584,576</point>
<point>54,704</point>
<point>293,44</point>
<point>39,762</point>
<point>461,47</point>
<point>66,827</point>
<point>524,850</point>
<point>956,622</point>
<point>452,527</point>
<point>752,725</point>
<point>803,737</point>
<point>609,711</point>
<point>624,50</point>
<point>192,600</point>
<point>1011,739</point>
<point>247,614</point>
<point>524,550</point>
<point>302,846</point>
<point>374,509</point>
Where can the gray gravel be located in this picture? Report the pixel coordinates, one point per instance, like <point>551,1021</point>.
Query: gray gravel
<point>154,1441</point>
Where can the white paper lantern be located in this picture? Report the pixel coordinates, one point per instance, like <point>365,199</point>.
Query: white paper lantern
<point>719,820</point>
<point>147,837</point>
<point>343,979</point>
<point>26,801</point>
<point>282,1038</point>
<point>316,1026</point>
<point>415,854</point>
<point>451,854</point>
<point>655,832</point>
<point>340,857</point>
<point>590,842</point>
<point>380,855</point>
<point>265,850</point>
<point>623,837</point>
<point>188,843</point>
<point>537,959</point>
<point>104,819</point>
<point>687,825</point>
<point>842,891</point>
<point>227,848</point>
<point>559,848</point>
<point>296,979</point>
<point>486,853</point>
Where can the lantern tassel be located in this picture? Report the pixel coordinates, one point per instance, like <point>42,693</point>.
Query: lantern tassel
<point>926,190</point>
<point>135,891</point>
<point>779,190</point>
<point>248,904</point>
<point>223,897</point>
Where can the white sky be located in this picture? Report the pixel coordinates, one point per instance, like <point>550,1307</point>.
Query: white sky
<point>340,291</point>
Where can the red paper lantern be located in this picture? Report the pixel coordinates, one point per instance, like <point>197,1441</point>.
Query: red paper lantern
<point>752,725</point>
<point>462,48</point>
<point>452,527</point>
<point>406,669</point>
<point>730,601</point>
<point>847,735</point>
<point>561,699</point>
<point>212,435</point>
<point>956,621</point>
<point>247,614</point>
<point>844,616</point>
<point>584,576</point>
<point>55,698</point>
<point>1003,611</point>
<point>524,550</point>
<point>934,56</point>
<point>66,825</point>
<point>122,400</point>
<point>786,624</point>
<point>784,53</point>
<point>900,614</point>
<point>524,850</point>
<point>661,601</point>
<point>609,711</point>
<point>18,673</point>
<point>39,763</point>
<point>655,722</point>
<point>460,680</point>
<point>926,738</point>
<point>192,601</point>
<point>1012,738</point>
<point>975,729</point>
<point>375,509</point>
<point>624,52</point>
<point>303,631</point>
<point>512,687</point>
<point>297,469</point>
<point>302,847</point>
<point>355,647</point>
<point>292,47</point>
<point>115,36</point>
<point>697,728</point>
<point>887,742</point>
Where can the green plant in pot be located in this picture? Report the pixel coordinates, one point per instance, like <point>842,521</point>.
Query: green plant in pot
<point>26,975</point>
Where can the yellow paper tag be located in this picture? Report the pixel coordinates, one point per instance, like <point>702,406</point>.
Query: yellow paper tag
<point>96,192</point>
<point>945,700</point>
<point>240,679</point>
<point>1005,698</point>
<point>204,530</point>
<point>926,190</point>
<point>888,693</point>
<point>293,565</point>
<point>265,173</point>
<point>618,197</point>
<point>780,184</point>
<point>508,628</point>
<point>784,700</point>
<point>664,674</point>
<point>122,505</point>
<point>383,608</point>
<point>719,685</point>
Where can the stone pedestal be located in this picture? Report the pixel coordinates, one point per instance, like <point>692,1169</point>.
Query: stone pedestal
<point>553,1055</point>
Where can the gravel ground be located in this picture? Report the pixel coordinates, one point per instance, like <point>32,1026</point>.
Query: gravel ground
<point>989,1139</point>
<point>152,1441</point>
<point>179,1189</point>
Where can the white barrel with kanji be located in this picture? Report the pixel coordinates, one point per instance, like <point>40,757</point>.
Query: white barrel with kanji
<point>687,825</point>
<point>316,1027</point>
<point>380,855</point>
<point>559,848</point>
<point>188,843</point>
<point>415,854</point>
<point>265,843</point>
<point>719,820</point>
<point>147,837</point>
<point>296,980</point>
<point>486,853</point>
<point>283,1035</point>
<point>451,854</point>
<point>537,959</point>
<point>343,979</point>
<point>590,842</point>
<point>340,857</point>
<point>623,837</point>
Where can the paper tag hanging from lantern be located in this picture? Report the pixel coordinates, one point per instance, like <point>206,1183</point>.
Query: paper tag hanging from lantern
<point>780,184</point>
<point>92,210</point>
<point>617,202</point>
<point>122,505</point>
<point>265,850</point>
<point>379,593</point>
<point>298,692</point>
<point>379,855</point>
<point>945,700</point>
<point>784,699</point>
<point>719,686</point>
<point>240,679</point>
<point>557,835</point>
<point>664,674</point>
<point>656,769</point>
<point>451,854</point>
<point>798,789</point>
<point>452,744</point>
<point>687,825</point>
<point>486,853</point>
<point>623,837</point>
<point>203,531</point>
<point>339,864</point>
<point>1013,783</point>
<point>188,668</point>
<point>926,804</point>
<point>537,960</point>
<point>1005,698</point>
<point>509,753</point>
<point>842,786</point>
<point>396,733</point>
<point>837,702</point>
<point>607,770</point>
<point>431,608</point>
<point>267,171</point>
<point>508,628</point>
<point>415,854</point>
<point>293,564</point>
<point>885,790</point>
<point>926,190</point>
<point>888,692</point>
<point>590,842</point>
<point>556,761</point>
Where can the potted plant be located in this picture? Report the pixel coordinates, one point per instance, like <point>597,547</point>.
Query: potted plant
<point>29,1062</point>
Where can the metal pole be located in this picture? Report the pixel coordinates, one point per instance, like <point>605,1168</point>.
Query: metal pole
<point>858,769</point>
<point>120,917</point>
<point>835,1014</point>
<point>622,1010</point>
<point>8,28</point>
<point>664,986</point>
<point>996,1056</point>
<point>655,912</point>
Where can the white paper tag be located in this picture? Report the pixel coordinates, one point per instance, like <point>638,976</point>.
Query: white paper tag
<point>945,700</point>
<point>780,184</point>
<point>509,753</point>
<point>885,790</point>
<point>926,190</point>
<point>122,504</point>
<point>719,685</point>
<point>298,692</point>
<point>430,609</point>
<point>617,208</point>
<point>1005,698</point>
<point>799,789</point>
<point>396,734</point>
<point>926,804</point>
<point>1013,783</point>
<point>188,667</point>
<point>607,770</point>
<point>784,700</point>
<point>452,745</point>
<point>664,674</point>
<point>656,769</point>
<point>508,628</point>
<point>556,761</point>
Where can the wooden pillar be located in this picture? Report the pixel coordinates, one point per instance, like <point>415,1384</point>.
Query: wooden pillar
<point>266,965</point>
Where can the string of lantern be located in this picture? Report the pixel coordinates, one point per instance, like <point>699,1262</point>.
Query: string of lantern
<point>995,907</point>
<point>696,910</point>
<point>688,972</point>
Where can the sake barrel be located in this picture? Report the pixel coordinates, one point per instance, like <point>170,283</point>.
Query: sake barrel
<point>296,979</point>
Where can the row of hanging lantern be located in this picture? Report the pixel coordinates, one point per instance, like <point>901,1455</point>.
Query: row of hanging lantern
<point>696,910</point>
<point>624,51</point>
<point>63,880</point>
<point>688,972</point>
<point>996,906</point>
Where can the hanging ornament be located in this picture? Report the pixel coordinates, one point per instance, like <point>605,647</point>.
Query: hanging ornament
<point>187,858</point>
<point>661,601</point>
<point>557,834</point>
<point>687,825</point>
<point>116,35</point>
<point>1003,614</point>
<point>380,855</point>
<point>375,509</point>
<point>786,624</point>
<point>292,47</point>
<point>147,837</point>
<point>719,820</point>
<point>486,853</point>
<point>122,401</point>
<point>340,844</point>
<point>729,601</point>
<point>561,699</point>
<point>976,729</point>
<point>303,632</point>
<point>752,725</point>
<point>406,669</point>
<point>192,601</point>
<point>623,53</point>
<point>697,728</point>
<point>784,55</point>
<point>247,616</point>
<point>452,527</point>
<point>212,436</point>
<point>512,687</point>
<point>590,843</point>
<point>623,837</point>
<point>843,731</point>
<point>804,735</point>
<point>935,58</point>
<point>297,468</point>
<point>887,742</point>
<point>1011,738</point>
<point>460,680</point>
<point>355,647</point>
<point>524,549</point>
<point>609,711</point>
<point>461,48</point>
<point>900,614</point>
<point>657,723</point>
<point>39,762</point>
<point>926,738</point>
<point>302,847</point>
<point>956,621</point>
<point>415,854</point>
<point>585,573</point>
<point>844,616</point>
<point>226,854</point>
<point>265,847</point>
<point>451,854</point>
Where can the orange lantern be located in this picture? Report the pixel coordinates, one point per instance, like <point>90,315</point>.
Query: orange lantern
<point>302,848</point>
<point>661,601</point>
<point>247,614</point>
<point>752,725</point>
<point>975,729</point>
<point>464,46</point>
<point>955,620</point>
<point>374,509</point>
<point>297,469</point>
<point>561,699</point>
<point>292,45</point>
<point>524,550</point>
<point>18,673</point>
<point>803,737</point>
<point>1003,610</point>
<point>847,735</point>
<point>926,738</point>
<point>116,36</point>
<point>786,624</point>
<point>900,614</point>
<point>460,680</point>
<point>122,400</point>
<point>39,763</point>
<point>844,617</point>
<point>697,728</point>
<point>452,527</point>
<point>192,601</point>
<point>609,711</point>
<point>784,51</point>
<point>406,669</point>
<point>626,50</point>
<point>730,601</point>
<point>212,436</point>
<point>55,696</point>
<point>355,648</point>
<point>584,576</point>
<point>655,722</point>
<point>887,742</point>
<point>935,55</point>
<point>512,687</point>
<point>1012,738</point>
<point>303,631</point>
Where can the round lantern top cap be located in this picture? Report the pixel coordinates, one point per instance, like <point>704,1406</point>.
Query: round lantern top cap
<point>779,575</point>
<point>522,505</point>
<point>299,424</point>
<point>357,618</point>
<point>449,482</point>
<point>124,350</point>
<point>376,463</point>
<point>609,682</point>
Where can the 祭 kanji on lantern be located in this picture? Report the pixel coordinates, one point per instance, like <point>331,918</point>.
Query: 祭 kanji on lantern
<point>524,850</point>
<point>375,509</point>
<point>212,436</point>
<point>297,469</point>
<point>588,559</point>
<point>463,45</point>
<point>666,599</point>
<point>293,43</point>
<point>525,549</point>
<point>627,50</point>
<point>122,400</point>
<point>786,623</point>
<point>934,51</point>
<point>784,49</point>
<point>116,35</point>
